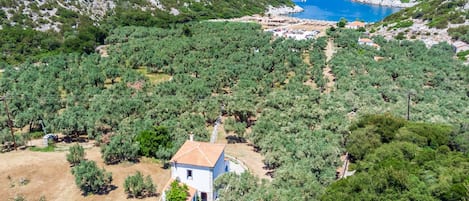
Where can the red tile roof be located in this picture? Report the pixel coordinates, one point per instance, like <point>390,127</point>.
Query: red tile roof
<point>356,24</point>
<point>365,40</point>
<point>198,153</point>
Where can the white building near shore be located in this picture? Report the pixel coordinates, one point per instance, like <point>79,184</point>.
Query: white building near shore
<point>355,25</point>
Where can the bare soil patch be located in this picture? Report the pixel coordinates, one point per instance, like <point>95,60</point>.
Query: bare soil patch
<point>306,60</point>
<point>327,71</point>
<point>49,175</point>
<point>243,151</point>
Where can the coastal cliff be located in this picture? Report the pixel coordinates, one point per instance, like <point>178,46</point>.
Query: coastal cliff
<point>283,10</point>
<point>391,3</point>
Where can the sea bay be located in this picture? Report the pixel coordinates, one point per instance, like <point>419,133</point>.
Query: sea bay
<point>333,10</point>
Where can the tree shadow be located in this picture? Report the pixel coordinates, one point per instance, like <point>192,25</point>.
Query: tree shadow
<point>232,139</point>
<point>144,196</point>
<point>255,148</point>
<point>166,165</point>
<point>73,138</point>
<point>270,173</point>
<point>103,191</point>
<point>118,161</point>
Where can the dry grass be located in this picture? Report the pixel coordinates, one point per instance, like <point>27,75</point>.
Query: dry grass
<point>244,152</point>
<point>154,78</point>
<point>49,175</point>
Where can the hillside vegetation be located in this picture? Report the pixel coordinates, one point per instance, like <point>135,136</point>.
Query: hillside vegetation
<point>261,82</point>
<point>436,13</point>
<point>399,160</point>
<point>40,28</point>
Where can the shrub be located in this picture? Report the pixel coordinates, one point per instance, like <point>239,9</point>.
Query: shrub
<point>342,22</point>
<point>231,125</point>
<point>36,135</point>
<point>49,148</point>
<point>155,142</point>
<point>177,192</point>
<point>136,186</point>
<point>90,179</point>
<point>76,154</point>
<point>121,148</point>
<point>404,24</point>
<point>399,36</point>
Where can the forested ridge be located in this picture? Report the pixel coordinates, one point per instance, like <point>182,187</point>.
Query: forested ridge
<point>40,28</point>
<point>301,130</point>
<point>396,159</point>
<point>436,13</point>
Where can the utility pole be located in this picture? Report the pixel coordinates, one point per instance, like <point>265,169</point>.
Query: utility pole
<point>408,105</point>
<point>9,120</point>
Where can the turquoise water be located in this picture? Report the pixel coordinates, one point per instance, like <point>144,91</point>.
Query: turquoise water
<point>333,10</point>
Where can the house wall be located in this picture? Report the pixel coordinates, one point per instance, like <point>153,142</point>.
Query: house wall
<point>219,166</point>
<point>218,170</point>
<point>202,177</point>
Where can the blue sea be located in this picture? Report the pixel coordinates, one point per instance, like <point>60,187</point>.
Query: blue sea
<point>333,10</point>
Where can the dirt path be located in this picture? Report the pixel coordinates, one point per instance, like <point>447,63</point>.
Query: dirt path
<point>50,176</point>
<point>245,153</point>
<point>306,60</point>
<point>327,71</point>
<point>102,50</point>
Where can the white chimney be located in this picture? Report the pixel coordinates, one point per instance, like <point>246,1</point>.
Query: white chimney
<point>191,136</point>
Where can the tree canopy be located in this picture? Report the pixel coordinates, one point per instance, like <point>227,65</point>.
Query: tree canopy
<point>165,77</point>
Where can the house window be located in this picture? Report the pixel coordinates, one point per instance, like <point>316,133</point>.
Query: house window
<point>189,174</point>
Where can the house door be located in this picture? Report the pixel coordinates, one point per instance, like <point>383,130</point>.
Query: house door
<point>203,196</point>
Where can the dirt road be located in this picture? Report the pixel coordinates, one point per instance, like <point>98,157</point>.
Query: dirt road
<point>327,71</point>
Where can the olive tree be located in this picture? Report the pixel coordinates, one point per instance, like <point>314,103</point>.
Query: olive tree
<point>137,187</point>
<point>76,154</point>
<point>90,179</point>
<point>121,148</point>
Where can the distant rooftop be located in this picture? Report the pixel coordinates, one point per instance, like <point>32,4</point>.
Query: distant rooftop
<point>365,40</point>
<point>356,24</point>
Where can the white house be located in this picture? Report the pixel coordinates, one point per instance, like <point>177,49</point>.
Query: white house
<point>198,164</point>
<point>369,42</point>
<point>460,46</point>
<point>355,25</point>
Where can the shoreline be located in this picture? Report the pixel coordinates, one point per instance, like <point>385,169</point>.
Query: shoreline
<point>283,10</point>
<point>387,3</point>
<point>259,19</point>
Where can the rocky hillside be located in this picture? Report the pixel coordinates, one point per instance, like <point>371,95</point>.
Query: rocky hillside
<point>53,14</point>
<point>32,29</point>
<point>393,3</point>
<point>436,13</point>
<point>432,21</point>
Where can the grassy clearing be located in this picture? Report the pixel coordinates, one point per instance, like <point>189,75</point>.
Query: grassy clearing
<point>49,148</point>
<point>154,78</point>
<point>108,82</point>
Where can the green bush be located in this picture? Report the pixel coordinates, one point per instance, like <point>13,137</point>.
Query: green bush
<point>121,148</point>
<point>76,154</point>
<point>135,186</point>
<point>36,135</point>
<point>155,142</point>
<point>90,179</point>
<point>342,22</point>
<point>404,24</point>
<point>231,125</point>
<point>49,148</point>
<point>177,192</point>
